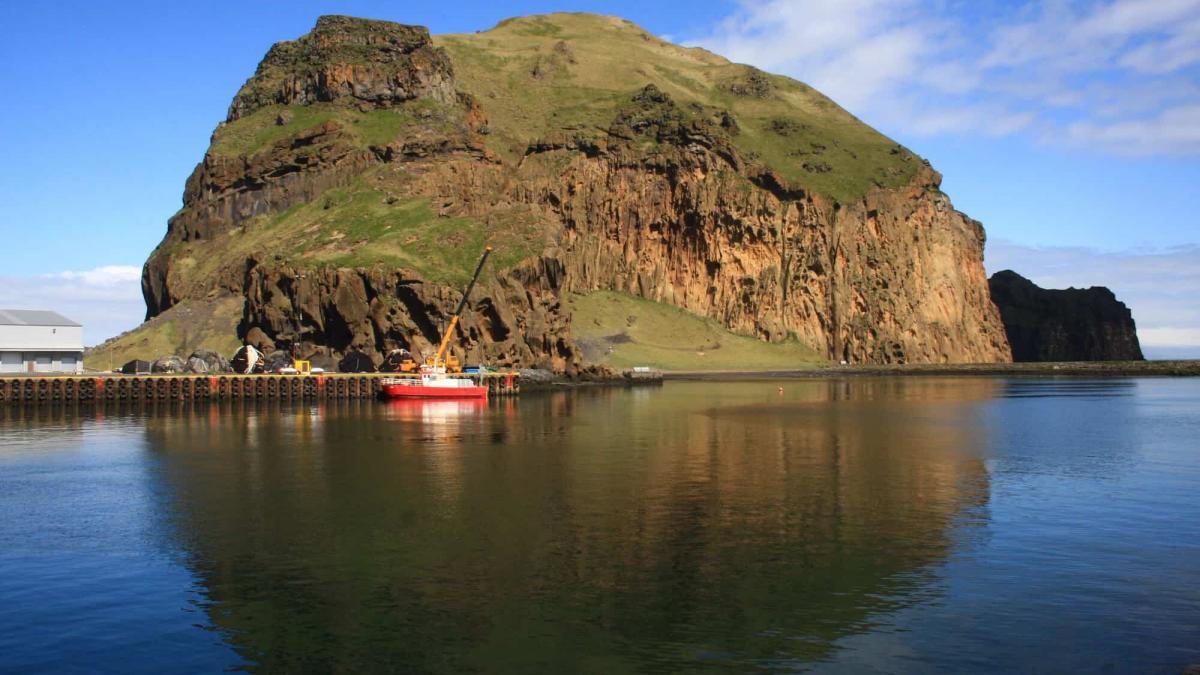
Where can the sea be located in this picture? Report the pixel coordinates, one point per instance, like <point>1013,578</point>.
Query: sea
<point>853,524</point>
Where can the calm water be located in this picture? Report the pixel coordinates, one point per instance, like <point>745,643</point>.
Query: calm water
<point>910,525</point>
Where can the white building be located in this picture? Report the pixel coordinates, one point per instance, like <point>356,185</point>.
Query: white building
<point>39,342</point>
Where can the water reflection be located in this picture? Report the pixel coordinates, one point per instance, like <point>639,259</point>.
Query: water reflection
<point>1041,388</point>
<point>686,528</point>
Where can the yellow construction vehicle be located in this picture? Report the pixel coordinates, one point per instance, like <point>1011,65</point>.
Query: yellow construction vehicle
<point>451,363</point>
<point>298,367</point>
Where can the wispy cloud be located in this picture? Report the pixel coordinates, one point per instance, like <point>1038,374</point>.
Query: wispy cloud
<point>107,276</point>
<point>107,300</point>
<point>1113,75</point>
<point>1160,287</point>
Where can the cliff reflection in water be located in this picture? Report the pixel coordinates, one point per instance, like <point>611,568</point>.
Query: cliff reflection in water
<point>601,530</point>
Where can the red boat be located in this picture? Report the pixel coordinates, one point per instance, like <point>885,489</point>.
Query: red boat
<point>434,382</point>
<point>431,385</point>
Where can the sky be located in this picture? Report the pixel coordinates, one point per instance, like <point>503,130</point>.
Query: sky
<point>1071,129</point>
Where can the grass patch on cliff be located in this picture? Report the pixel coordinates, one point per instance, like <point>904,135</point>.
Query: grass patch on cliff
<point>373,221</point>
<point>262,128</point>
<point>570,73</point>
<point>624,331</point>
<point>361,227</point>
<point>182,329</point>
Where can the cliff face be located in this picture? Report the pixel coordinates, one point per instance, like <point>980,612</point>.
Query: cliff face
<point>1064,325</point>
<point>363,167</point>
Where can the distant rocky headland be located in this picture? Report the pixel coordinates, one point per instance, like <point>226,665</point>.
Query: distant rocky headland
<point>363,166</point>
<point>1085,324</point>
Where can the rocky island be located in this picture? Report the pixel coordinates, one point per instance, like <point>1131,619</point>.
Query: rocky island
<point>1075,324</point>
<point>363,166</point>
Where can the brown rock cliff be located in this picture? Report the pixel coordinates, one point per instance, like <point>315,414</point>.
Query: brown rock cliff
<point>660,203</point>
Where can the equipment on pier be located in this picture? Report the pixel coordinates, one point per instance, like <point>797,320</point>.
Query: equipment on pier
<point>247,360</point>
<point>136,367</point>
<point>398,361</point>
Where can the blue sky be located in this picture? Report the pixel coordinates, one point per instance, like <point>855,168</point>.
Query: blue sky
<point>1071,129</point>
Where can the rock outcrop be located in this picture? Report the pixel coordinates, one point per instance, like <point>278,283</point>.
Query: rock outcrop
<point>356,172</point>
<point>1064,325</point>
<point>169,364</point>
<point>374,62</point>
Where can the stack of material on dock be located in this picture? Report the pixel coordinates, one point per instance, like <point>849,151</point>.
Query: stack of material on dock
<point>643,375</point>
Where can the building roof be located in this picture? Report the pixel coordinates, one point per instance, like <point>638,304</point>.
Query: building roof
<point>33,317</point>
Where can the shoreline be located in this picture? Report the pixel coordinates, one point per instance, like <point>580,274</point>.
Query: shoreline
<point>1189,368</point>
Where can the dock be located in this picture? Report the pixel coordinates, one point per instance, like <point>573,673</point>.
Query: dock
<point>39,389</point>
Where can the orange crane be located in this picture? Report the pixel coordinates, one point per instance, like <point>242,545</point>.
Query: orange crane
<point>440,358</point>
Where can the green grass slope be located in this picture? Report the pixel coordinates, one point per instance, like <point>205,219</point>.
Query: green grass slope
<point>250,134</point>
<point>555,73</point>
<point>372,221</point>
<point>184,328</point>
<point>624,331</point>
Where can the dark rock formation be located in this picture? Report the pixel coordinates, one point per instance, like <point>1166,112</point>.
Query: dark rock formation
<point>1063,325</point>
<point>356,362</point>
<point>207,361</point>
<point>277,360</point>
<point>169,364</point>
<point>514,321</point>
<point>376,62</point>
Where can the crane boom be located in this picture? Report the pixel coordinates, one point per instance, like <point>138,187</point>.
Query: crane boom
<point>441,352</point>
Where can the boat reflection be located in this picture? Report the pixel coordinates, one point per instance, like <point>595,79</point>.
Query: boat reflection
<point>434,411</point>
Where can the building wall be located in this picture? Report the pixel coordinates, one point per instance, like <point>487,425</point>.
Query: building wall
<point>41,338</point>
<point>13,362</point>
<point>41,349</point>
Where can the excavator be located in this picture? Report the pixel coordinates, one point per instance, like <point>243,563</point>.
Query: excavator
<point>441,359</point>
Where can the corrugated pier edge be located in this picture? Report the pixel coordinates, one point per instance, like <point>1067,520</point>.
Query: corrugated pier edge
<point>69,388</point>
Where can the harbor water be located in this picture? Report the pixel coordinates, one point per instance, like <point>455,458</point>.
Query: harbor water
<point>903,524</point>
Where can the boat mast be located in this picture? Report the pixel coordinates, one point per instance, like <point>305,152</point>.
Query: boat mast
<point>441,352</point>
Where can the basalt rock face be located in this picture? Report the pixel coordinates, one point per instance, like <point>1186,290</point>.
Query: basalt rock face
<point>357,177</point>
<point>1064,325</point>
<point>515,320</point>
<point>895,277</point>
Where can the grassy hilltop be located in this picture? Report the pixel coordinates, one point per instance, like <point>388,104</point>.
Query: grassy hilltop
<point>541,75</point>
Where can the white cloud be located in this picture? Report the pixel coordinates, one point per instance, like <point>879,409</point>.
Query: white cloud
<point>107,300</point>
<point>106,276</point>
<point>1170,337</point>
<point>1160,287</point>
<point>878,41</point>
<point>1178,51</point>
<point>1117,76</point>
<point>1175,131</point>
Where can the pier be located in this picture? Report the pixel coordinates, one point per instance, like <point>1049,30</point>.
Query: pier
<point>110,387</point>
